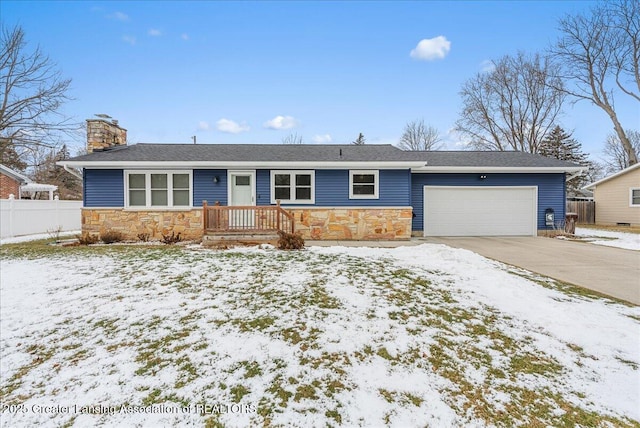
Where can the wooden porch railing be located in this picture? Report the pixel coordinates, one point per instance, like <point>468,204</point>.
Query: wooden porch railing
<point>247,219</point>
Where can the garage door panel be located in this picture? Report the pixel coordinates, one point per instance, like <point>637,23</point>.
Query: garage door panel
<point>478,211</point>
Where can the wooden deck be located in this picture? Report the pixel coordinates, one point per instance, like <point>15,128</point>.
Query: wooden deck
<point>246,220</point>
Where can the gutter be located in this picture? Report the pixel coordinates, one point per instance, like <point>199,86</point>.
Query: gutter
<point>72,172</point>
<point>245,165</point>
<point>497,169</point>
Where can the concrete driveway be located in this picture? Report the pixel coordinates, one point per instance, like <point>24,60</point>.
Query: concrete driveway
<point>611,271</point>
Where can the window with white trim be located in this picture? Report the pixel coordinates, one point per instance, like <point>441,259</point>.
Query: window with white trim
<point>157,189</point>
<point>293,187</point>
<point>634,197</point>
<point>363,184</point>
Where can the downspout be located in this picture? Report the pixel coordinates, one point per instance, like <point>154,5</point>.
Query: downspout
<point>72,172</point>
<point>571,177</point>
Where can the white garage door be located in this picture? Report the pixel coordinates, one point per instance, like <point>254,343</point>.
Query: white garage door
<point>480,211</point>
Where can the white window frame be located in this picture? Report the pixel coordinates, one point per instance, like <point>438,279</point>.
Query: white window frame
<point>147,183</point>
<point>292,186</point>
<point>631,204</point>
<point>376,183</point>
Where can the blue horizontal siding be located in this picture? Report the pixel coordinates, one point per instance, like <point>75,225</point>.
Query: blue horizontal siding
<point>551,190</point>
<point>103,188</point>
<point>263,191</point>
<point>204,188</point>
<point>332,189</point>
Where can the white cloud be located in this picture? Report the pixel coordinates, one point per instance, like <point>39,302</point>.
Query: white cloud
<point>184,36</point>
<point>281,122</point>
<point>119,16</point>
<point>129,39</point>
<point>203,126</point>
<point>430,49</point>
<point>454,140</point>
<point>231,127</point>
<point>322,139</point>
<point>154,32</point>
<point>487,66</point>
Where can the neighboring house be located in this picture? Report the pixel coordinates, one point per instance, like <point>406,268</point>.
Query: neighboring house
<point>21,186</point>
<point>10,182</point>
<point>618,197</point>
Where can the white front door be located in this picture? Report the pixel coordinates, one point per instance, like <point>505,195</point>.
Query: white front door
<point>242,190</point>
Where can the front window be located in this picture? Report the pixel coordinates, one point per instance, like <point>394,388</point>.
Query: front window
<point>137,189</point>
<point>293,187</point>
<point>158,189</point>
<point>634,197</point>
<point>363,184</point>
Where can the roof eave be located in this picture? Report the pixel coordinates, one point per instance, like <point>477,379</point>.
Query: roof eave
<point>617,174</point>
<point>498,169</point>
<point>242,164</point>
<point>14,174</point>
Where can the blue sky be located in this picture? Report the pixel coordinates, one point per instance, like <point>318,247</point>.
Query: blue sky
<point>255,72</point>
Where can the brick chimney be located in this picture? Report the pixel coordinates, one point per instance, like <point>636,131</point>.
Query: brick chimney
<point>104,133</point>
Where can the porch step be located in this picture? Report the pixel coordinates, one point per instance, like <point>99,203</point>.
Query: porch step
<point>218,239</point>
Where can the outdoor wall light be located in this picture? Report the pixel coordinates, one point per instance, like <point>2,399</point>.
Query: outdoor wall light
<point>216,179</point>
<point>483,177</point>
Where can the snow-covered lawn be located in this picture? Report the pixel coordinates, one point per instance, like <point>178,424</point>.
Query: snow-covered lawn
<point>629,241</point>
<point>412,336</point>
<point>27,238</point>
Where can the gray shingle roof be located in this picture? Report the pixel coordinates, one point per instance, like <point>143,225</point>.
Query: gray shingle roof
<point>316,153</point>
<point>250,153</point>
<point>491,159</point>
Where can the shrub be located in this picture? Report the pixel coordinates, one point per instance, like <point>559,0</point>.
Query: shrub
<point>290,241</point>
<point>144,237</point>
<point>87,239</point>
<point>55,233</point>
<point>171,239</point>
<point>111,236</point>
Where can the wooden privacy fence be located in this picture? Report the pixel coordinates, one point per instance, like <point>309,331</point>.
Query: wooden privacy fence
<point>586,211</point>
<point>246,219</point>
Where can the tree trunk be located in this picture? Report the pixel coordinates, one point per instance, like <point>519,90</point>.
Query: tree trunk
<point>622,136</point>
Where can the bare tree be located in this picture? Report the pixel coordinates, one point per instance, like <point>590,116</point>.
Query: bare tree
<point>616,157</point>
<point>47,171</point>
<point>599,52</point>
<point>32,92</point>
<point>513,106</point>
<point>417,136</point>
<point>293,138</point>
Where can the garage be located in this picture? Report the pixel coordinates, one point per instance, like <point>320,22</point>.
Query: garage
<point>480,210</point>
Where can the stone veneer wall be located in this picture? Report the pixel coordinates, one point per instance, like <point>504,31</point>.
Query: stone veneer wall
<point>353,223</point>
<point>313,223</point>
<point>132,223</point>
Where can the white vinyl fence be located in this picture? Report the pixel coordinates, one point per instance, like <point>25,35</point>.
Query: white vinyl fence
<point>26,217</point>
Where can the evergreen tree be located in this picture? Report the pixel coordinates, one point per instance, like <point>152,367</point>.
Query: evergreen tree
<point>558,144</point>
<point>360,140</point>
<point>9,157</point>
